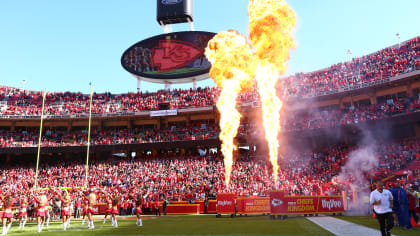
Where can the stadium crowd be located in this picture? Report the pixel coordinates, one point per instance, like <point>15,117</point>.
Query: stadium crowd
<point>293,121</point>
<point>28,137</point>
<point>181,177</point>
<point>29,103</point>
<point>333,117</point>
<point>380,65</point>
<point>377,66</point>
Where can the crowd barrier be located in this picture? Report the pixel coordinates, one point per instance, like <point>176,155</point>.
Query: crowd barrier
<point>253,205</point>
<point>279,204</point>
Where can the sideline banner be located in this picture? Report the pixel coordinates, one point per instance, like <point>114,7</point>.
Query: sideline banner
<point>253,205</point>
<point>284,205</point>
<point>330,204</point>
<point>225,203</point>
<point>211,207</point>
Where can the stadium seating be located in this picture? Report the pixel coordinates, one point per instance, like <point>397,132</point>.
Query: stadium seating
<point>188,177</point>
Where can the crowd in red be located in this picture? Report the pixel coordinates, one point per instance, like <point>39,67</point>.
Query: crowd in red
<point>377,66</point>
<point>29,103</point>
<point>328,118</point>
<point>29,137</point>
<point>293,121</point>
<point>380,65</point>
<point>195,178</point>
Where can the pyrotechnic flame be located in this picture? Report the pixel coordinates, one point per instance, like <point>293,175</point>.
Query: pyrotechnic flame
<point>233,67</point>
<point>230,55</point>
<point>270,30</point>
<point>229,122</point>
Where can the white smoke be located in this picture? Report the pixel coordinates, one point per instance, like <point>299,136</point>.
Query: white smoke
<point>360,162</point>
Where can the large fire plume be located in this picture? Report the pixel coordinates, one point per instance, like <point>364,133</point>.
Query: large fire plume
<point>271,24</point>
<point>234,65</point>
<point>230,55</point>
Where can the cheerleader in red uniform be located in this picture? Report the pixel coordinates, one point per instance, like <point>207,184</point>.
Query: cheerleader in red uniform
<point>1,205</point>
<point>41,211</point>
<point>138,211</point>
<point>90,211</point>
<point>23,214</point>
<point>65,211</point>
<point>114,211</point>
<point>7,219</point>
<point>85,209</point>
<point>109,207</point>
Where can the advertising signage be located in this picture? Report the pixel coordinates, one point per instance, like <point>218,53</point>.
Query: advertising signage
<point>175,57</point>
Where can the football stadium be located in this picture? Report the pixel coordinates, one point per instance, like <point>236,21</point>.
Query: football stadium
<point>235,143</point>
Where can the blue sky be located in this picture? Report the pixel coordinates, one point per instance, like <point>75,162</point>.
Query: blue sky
<point>64,45</point>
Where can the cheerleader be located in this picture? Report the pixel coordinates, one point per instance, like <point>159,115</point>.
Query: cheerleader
<point>7,219</point>
<point>90,211</point>
<point>41,211</point>
<point>1,206</point>
<point>114,211</point>
<point>65,209</point>
<point>138,211</point>
<point>109,207</point>
<point>23,214</point>
<point>85,209</point>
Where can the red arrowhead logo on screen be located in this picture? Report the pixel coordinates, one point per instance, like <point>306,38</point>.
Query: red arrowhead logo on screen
<point>173,54</point>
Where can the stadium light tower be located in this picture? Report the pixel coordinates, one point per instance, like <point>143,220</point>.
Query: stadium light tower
<point>349,54</point>
<point>23,84</point>
<point>398,36</point>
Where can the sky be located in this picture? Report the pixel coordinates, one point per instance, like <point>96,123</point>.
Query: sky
<point>64,45</point>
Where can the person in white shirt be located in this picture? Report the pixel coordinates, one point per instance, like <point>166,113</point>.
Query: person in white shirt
<point>382,202</point>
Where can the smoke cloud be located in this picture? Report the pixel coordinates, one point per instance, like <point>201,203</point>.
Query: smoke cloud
<point>361,162</point>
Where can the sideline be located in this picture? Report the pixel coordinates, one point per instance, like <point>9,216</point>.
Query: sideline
<point>342,227</point>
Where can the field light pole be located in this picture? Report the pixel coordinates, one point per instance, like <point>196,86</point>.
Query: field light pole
<point>398,36</point>
<point>349,55</point>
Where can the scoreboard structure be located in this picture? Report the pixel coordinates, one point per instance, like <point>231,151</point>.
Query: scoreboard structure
<point>169,58</point>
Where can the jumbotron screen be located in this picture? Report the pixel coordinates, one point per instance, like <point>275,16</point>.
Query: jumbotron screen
<point>173,56</point>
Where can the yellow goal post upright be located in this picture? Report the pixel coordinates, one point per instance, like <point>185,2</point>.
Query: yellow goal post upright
<point>39,139</point>
<point>88,145</point>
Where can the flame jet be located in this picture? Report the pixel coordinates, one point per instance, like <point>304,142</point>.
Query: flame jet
<point>271,24</point>
<point>230,55</point>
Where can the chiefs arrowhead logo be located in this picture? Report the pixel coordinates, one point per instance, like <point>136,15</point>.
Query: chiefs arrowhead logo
<point>173,54</point>
<point>276,202</point>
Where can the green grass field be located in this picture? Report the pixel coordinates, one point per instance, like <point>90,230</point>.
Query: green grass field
<point>184,225</point>
<point>370,222</point>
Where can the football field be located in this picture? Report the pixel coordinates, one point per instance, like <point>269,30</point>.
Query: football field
<point>201,225</point>
<point>183,225</point>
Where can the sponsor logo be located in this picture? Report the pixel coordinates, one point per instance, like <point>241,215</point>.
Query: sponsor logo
<point>331,204</point>
<point>171,2</point>
<point>224,203</point>
<point>173,54</point>
<point>276,202</point>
